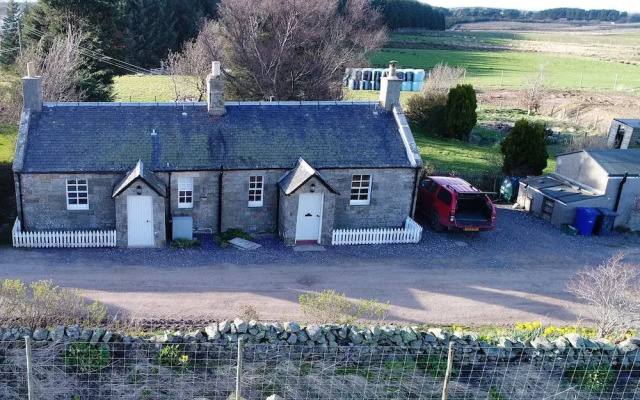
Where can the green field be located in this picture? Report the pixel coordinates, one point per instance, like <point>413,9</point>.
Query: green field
<point>146,88</point>
<point>486,68</point>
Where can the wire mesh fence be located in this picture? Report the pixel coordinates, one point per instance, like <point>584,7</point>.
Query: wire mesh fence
<point>82,371</point>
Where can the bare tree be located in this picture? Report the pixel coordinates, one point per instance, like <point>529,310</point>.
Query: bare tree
<point>190,67</point>
<point>297,49</point>
<point>443,77</point>
<point>612,293</point>
<point>534,87</point>
<point>59,65</point>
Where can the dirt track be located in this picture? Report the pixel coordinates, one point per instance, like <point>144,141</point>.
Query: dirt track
<point>463,285</point>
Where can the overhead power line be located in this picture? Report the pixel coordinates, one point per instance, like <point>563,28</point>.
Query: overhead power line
<point>99,56</point>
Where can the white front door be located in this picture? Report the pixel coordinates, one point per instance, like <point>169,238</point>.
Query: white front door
<point>309,222</point>
<point>140,221</point>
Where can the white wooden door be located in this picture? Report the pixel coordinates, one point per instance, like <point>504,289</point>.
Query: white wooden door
<point>309,222</point>
<point>140,221</point>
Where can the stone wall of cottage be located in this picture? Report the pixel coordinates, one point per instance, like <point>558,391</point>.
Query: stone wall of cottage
<point>236,212</point>
<point>391,198</point>
<point>205,199</point>
<point>44,202</point>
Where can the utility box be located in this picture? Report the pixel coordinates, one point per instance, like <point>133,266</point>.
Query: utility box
<point>183,228</point>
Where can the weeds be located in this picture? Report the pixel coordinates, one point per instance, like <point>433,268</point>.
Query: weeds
<point>222,239</point>
<point>172,356</point>
<point>592,379</point>
<point>86,358</point>
<point>179,244</point>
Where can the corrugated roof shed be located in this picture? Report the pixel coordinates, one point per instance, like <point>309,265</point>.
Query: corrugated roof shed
<point>95,138</point>
<point>634,123</point>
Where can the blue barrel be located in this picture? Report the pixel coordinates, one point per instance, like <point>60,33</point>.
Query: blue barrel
<point>376,85</point>
<point>416,86</point>
<point>352,84</point>
<point>366,85</point>
<point>585,220</point>
<point>385,72</point>
<point>407,86</point>
<point>400,74</point>
<point>367,74</point>
<point>361,85</point>
<point>377,74</point>
<point>358,74</point>
<point>408,75</point>
<point>418,75</point>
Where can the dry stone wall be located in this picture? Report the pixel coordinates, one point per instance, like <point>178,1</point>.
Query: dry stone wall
<point>263,340</point>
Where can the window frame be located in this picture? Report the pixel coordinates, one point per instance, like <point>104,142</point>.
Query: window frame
<point>360,202</point>
<point>185,184</point>
<point>77,182</point>
<point>258,189</point>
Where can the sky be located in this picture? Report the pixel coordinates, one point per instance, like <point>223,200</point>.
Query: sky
<point>621,5</point>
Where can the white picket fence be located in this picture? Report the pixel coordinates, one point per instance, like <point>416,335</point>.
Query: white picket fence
<point>411,233</point>
<point>62,239</point>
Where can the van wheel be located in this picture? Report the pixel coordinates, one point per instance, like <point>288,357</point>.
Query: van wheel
<point>435,222</point>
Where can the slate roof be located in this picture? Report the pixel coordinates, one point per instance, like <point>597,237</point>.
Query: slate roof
<point>298,176</point>
<point>140,172</point>
<point>88,137</point>
<point>634,123</point>
<point>617,161</point>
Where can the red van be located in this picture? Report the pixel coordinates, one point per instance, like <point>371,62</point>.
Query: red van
<point>454,203</point>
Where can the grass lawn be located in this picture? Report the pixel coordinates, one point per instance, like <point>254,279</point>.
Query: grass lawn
<point>151,88</point>
<point>485,68</point>
<point>8,134</point>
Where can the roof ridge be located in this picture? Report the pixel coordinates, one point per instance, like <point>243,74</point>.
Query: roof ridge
<point>203,104</point>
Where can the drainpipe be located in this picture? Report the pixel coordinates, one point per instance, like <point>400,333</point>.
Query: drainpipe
<point>622,182</point>
<point>413,193</point>
<point>220,198</point>
<point>277,210</point>
<point>22,223</point>
<point>168,211</point>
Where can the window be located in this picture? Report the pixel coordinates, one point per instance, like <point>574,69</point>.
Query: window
<point>185,192</point>
<point>256,189</point>
<point>77,194</point>
<point>361,190</point>
<point>432,187</point>
<point>444,196</point>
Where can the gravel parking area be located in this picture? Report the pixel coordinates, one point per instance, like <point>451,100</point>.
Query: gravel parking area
<point>516,272</point>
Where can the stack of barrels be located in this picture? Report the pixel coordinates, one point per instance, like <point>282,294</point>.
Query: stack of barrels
<point>369,78</point>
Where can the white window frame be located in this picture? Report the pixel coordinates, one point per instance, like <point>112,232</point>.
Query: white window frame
<point>77,182</point>
<point>256,185</point>
<point>359,188</point>
<point>185,192</point>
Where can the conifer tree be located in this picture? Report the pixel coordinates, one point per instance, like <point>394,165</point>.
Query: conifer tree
<point>524,149</point>
<point>9,40</point>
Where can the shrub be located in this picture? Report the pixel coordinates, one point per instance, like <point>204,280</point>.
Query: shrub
<point>495,394</point>
<point>43,304</point>
<point>329,306</point>
<point>222,239</point>
<point>612,293</point>
<point>435,366</point>
<point>185,244</point>
<point>592,379</point>
<point>460,114</point>
<point>85,358</point>
<point>524,149</point>
<point>172,356</point>
<point>427,109</point>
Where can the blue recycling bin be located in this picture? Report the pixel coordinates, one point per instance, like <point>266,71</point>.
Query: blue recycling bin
<point>585,220</point>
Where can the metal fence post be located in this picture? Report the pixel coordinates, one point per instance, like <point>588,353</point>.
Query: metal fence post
<point>239,371</point>
<point>447,374</point>
<point>27,340</point>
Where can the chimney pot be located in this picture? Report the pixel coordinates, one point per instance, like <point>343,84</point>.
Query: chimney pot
<point>215,68</point>
<point>31,69</point>
<point>393,68</point>
<point>390,87</point>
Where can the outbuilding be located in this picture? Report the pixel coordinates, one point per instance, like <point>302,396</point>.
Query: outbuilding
<point>624,134</point>
<point>588,178</point>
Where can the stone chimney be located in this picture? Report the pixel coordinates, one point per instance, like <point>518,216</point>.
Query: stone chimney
<point>32,89</point>
<point>390,87</point>
<point>215,91</point>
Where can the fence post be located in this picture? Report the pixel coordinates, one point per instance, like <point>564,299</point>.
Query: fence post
<point>30,396</point>
<point>447,374</point>
<point>615,85</point>
<point>581,76</point>
<point>239,371</point>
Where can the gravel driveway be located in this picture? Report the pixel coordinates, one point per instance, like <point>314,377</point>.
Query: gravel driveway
<point>514,273</point>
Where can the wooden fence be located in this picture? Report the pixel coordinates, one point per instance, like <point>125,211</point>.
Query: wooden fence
<point>411,233</point>
<point>62,238</point>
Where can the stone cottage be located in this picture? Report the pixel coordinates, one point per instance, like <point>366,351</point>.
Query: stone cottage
<point>295,169</point>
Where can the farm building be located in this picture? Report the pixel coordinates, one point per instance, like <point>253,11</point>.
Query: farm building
<point>587,178</point>
<point>299,170</point>
<point>624,134</point>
